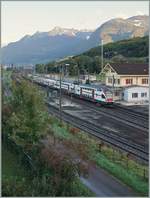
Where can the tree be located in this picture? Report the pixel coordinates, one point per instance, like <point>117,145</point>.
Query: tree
<point>26,119</point>
<point>40,68</point>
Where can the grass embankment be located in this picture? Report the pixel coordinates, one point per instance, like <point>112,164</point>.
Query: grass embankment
<point>14,175</point>
<point>116,163</point>
<point>10,164</point>
<point>16,179</point>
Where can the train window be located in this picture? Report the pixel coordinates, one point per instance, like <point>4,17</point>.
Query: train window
<point>134,95</point>
<point>143,94</point>
<point>103,96</point>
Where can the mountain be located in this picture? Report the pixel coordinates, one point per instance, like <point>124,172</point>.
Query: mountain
<point>119,29</point>
<point>60,42</point>
<point>134,50</point>
<point>44,46</point>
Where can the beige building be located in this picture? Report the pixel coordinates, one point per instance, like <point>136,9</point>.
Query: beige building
<point>124,75</point>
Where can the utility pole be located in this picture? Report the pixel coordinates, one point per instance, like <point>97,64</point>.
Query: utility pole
<point>34,69</point>
<point>78,74</point>
<point>60,95</point>
<point>102,63</point>
<point>33,72</point>
<point>46,69</point>
<point>88,77</point>
<point>113,85</point>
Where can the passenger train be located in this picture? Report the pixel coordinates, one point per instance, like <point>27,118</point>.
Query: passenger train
<point>95,93</point>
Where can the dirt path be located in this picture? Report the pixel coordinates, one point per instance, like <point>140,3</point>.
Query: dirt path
<point>105,185</point>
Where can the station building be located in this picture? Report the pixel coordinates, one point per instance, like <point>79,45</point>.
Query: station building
<point>136,94</point>
<point>129,82</point>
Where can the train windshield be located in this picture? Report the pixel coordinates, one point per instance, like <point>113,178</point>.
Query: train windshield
<point>108,94</point>
<point>103,96</point>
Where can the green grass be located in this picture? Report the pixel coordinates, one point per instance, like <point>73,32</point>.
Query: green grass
<point>125,175</point>
<point>61,132</point>
<point>81,190</point>
<point>11,166</point>
<point>113,161</point>
<point>16,182</point>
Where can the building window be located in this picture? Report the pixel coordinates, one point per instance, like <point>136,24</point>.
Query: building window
<point>134,95</point>
<point>109,80</point>
<point>117,93</point>
<point>143,95</point>
<point>144,81</point>
<point>129,81</point>
<point>118,81</point>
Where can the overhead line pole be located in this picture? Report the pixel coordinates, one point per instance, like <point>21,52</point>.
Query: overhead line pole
<point>102,55</point>
<point>78,74</point>
<point>60,96</point>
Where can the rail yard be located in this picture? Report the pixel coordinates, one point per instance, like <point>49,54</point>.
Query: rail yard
<point>111,131</point>
<point>121,127</point>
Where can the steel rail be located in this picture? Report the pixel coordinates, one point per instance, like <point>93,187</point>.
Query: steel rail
<point>98,132</point>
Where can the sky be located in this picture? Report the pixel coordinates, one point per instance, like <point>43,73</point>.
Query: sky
<point>19,18</point>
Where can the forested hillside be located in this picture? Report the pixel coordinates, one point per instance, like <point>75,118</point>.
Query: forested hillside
<point>136,47</point>
<point>126,51</point>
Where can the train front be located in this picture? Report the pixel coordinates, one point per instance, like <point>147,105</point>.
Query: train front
<point>109,97</point>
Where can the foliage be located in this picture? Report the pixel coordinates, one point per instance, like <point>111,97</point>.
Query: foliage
<point>126,175</point>
<point>25,119</point>
<point>40,68</point>
<point>133,50</point>
<point>117,163</point>
<point>135,47</point>
<point>26,124</point>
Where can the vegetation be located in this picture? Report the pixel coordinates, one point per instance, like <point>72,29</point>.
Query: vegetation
<point>134,50</point>
<point>26,125</point>
<point>55,154</point>
<point>135,47</point>
<point>117,163</point>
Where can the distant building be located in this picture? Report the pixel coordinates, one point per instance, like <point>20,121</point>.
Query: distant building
<point>129,82</point>
<point>136,94</point>
<point>84,78</point>
<point>122,75</point>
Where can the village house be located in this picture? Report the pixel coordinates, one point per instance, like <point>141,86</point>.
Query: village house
<point>129,82</point>
<point>121,75</point>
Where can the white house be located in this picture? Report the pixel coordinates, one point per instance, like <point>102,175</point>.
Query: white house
<point>129,82</point>
<point>136,94</point>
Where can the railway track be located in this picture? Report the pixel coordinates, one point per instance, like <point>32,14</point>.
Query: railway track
<point>119,115</point>
<point>131,111</point>
<point>132,118</point>
<point>106,135</point>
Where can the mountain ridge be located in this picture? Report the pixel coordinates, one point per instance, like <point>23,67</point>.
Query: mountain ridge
<point>60,42</point>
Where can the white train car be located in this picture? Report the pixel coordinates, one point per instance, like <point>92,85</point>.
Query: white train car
<point>96,93</point>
